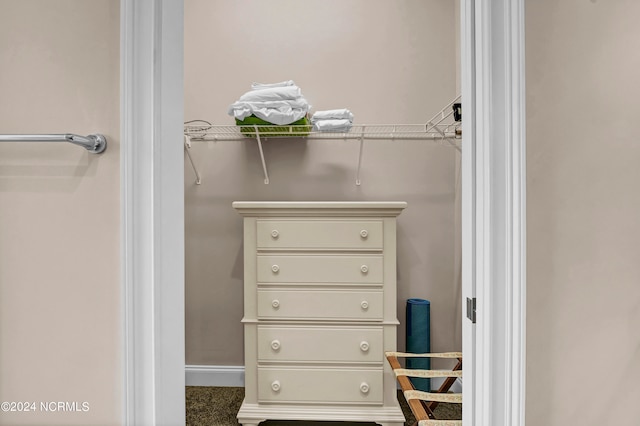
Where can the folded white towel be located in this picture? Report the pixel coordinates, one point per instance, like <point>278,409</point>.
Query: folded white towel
<point>332,114</point>
<point>260,86</point>
<point>271,94</point>
<point>300,102</point>
<point>340,125</point>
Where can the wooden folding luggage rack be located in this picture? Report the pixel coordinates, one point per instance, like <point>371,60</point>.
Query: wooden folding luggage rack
<point>422,404</point>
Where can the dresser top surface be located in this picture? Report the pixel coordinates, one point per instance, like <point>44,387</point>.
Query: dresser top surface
<point>321,207</point>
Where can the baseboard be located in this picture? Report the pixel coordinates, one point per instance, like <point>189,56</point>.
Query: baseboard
<point>214,375</point>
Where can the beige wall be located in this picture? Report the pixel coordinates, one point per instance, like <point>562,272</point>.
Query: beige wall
<point>583,184</point>
<point>59,211</point>
<point>388,62</point>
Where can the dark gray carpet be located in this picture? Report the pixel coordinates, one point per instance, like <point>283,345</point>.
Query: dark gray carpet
<point>218,406</point>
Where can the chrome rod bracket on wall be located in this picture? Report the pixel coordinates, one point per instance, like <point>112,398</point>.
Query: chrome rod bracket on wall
<point>94,143</point>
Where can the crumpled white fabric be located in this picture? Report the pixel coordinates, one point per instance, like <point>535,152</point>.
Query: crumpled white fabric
<point>278,103</point>
<point>276,112</point>
<point>282,115</point>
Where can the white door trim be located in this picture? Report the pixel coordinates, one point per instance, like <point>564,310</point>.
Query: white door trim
<point>152,195</point>
<point>495,244</point>
<point>468,215</point>
<point>152,212</point>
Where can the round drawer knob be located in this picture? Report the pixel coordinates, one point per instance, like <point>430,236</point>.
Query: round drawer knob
<point>275,303</point>
<point>364,346</point>
<point>364,305</point>
<point>275,234</point>
<point>364,387</point>
<point>275,345</point>
<point>275,386</point>
<point>275,268</point>
<point>364,233</point>
<point>364,269</point>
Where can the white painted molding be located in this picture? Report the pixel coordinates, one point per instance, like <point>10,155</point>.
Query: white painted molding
<point>214,375</point>
<point>468,202</point>
<point>499,257</point>
<point>518,297</point>
<point>152,221</point>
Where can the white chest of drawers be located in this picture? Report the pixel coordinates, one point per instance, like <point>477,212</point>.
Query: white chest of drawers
<point>319,311</point>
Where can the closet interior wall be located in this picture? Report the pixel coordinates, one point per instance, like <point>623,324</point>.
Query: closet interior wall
<point>388,62</point>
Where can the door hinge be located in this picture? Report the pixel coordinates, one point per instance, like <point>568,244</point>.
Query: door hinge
<point>471,309</point>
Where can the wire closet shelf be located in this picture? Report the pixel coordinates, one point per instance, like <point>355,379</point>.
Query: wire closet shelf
<point>441,128</point>
<point>213,132</point>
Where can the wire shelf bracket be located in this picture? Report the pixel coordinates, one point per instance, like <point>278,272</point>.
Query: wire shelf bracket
<point>187,149</point>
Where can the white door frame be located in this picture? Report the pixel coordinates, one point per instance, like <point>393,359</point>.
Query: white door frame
<point>152,200</point>
<point>152,195</point>
<point>493,215</point>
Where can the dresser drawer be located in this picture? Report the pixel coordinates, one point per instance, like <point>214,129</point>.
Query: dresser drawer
<point>320,385</point>
<point>319,234</point>
<point>320,304</point>
<point>303,268</point>
<point>320,344</point>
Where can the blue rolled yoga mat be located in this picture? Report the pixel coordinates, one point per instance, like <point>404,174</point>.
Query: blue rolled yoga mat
<point>419,339</point>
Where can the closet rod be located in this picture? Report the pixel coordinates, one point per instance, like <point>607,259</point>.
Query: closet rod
<point>95,143</point>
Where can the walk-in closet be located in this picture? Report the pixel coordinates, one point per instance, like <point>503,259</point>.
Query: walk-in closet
<point>395,66</point>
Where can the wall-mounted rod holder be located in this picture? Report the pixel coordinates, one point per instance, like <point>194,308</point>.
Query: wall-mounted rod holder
<point>95,143</point>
